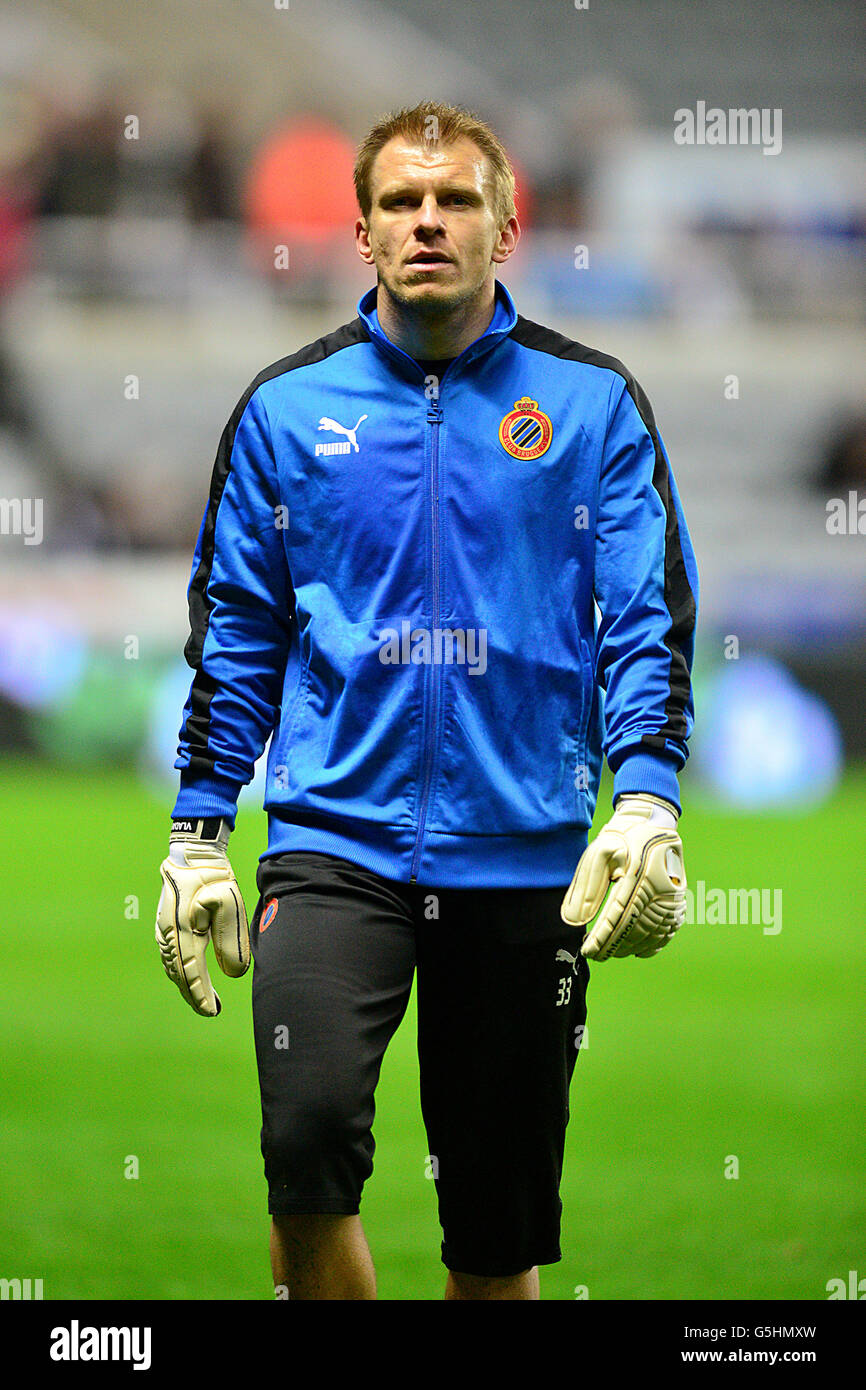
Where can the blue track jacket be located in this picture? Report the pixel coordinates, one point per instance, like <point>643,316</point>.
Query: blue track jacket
<point>445,605</point>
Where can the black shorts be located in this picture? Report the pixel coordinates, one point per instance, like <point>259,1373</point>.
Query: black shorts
<point>501,1010</point>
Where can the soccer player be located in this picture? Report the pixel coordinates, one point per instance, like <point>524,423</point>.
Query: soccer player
<point>444,565</point>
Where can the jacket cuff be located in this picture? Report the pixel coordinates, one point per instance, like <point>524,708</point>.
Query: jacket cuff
<point>203,797</point>
<point>648,772</point>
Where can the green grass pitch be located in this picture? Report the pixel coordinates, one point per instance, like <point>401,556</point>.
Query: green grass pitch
<point>733,1044</point>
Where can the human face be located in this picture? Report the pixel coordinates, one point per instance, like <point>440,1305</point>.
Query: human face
<point>432,232</point>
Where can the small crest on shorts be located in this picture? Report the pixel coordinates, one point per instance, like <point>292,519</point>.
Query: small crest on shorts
<point>269,914</point>
<point>525,432</point>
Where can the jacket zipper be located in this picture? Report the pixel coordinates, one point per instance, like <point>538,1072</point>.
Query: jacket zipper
<point>434,419</point>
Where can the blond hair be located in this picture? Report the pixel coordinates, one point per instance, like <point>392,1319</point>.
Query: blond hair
<point>436,123</point>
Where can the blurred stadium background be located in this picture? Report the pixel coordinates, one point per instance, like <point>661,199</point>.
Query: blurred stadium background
<point>152,160</point>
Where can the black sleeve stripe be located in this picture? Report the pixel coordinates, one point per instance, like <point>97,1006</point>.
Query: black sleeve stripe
<point>198,724</point>
<point>679,599</point>
<point>196,729</point>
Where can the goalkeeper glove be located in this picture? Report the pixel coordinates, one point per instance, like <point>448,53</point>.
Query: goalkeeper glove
<point>637,861</point>
<point>200,901</point>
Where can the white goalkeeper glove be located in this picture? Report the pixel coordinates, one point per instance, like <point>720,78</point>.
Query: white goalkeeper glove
<point>637,861</point>
<point>200,901</point>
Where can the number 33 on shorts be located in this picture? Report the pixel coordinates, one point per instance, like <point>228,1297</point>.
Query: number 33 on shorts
<point>565,981</point>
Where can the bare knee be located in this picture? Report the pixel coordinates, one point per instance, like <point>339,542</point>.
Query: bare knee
<point>321,1255</point>
<point>311,1228</point>
<point>508,1286</point>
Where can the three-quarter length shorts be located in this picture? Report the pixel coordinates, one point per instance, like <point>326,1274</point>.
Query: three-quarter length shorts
<point>501,1011</point>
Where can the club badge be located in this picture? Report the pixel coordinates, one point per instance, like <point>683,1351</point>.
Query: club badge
<point>526,431</point>
<point>269,914</point>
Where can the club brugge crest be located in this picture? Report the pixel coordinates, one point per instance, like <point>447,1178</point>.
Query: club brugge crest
<point>526,431</point>
<point>269,914</point>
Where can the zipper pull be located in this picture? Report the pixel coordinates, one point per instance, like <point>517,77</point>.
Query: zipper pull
<point>431,391</point>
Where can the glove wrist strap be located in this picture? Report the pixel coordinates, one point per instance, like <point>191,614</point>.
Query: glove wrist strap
<point>198,840</point>
<point>644,797</point>
<point>200,828</point>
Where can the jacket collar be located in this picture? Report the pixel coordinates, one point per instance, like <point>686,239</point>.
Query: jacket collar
<point>503,321</point>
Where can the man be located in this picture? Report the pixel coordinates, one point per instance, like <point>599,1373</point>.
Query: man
<point>411,523</point>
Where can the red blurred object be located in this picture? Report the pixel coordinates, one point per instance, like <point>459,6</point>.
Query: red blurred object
<point>14,231</point>
<point>300,184</point>
<point>523,194</point>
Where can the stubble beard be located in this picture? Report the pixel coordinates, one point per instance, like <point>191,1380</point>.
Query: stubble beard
<point>436,305</point>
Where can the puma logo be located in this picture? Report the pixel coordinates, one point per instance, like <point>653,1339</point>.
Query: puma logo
<point>326,423</point>
<point>566,955</point>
